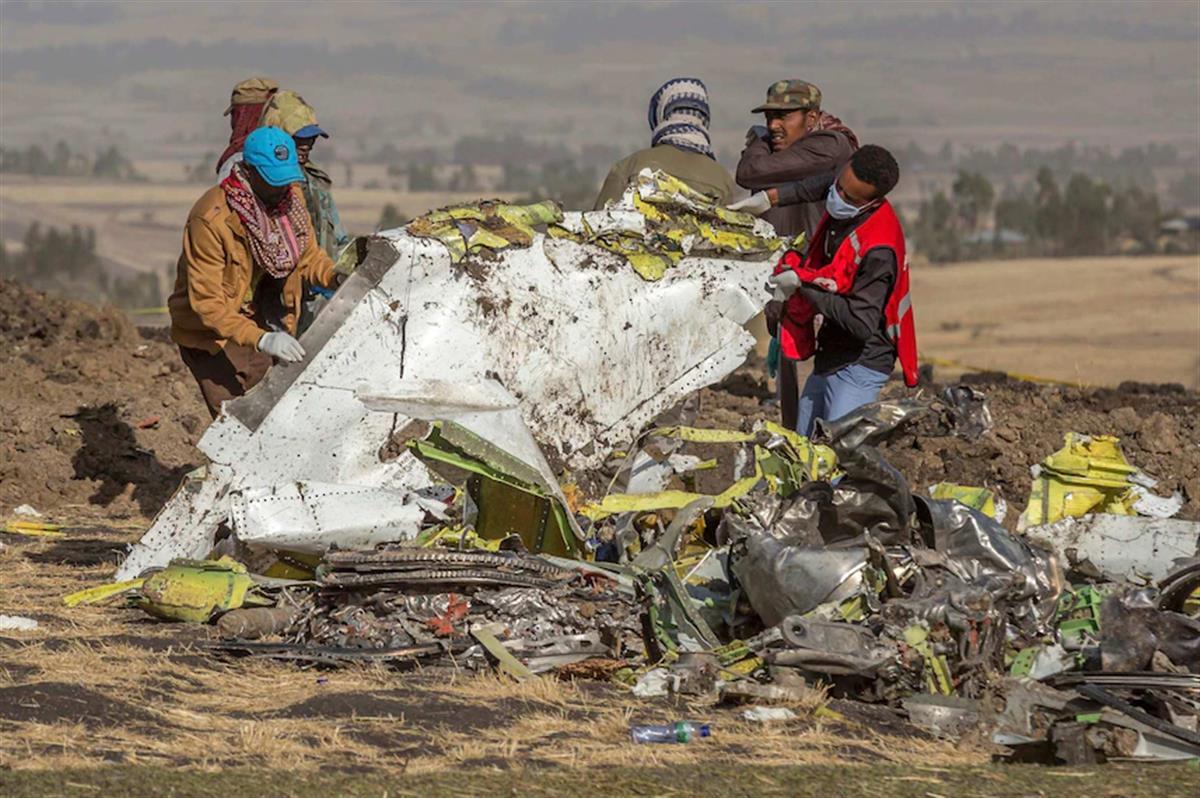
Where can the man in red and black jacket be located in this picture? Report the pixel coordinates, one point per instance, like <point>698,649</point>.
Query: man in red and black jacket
<point>868,324</point>
<point>798,140</point>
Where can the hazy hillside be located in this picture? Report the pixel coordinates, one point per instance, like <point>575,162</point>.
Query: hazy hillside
<point>156,76</point>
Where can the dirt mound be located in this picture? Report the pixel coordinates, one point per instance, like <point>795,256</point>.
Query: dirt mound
<point>93,410</point>
<point>1159,428</point>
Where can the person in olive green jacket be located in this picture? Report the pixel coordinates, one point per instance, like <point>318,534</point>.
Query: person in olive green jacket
<point>679,145</point>
<point>248,248</point>
<point>288,111</point>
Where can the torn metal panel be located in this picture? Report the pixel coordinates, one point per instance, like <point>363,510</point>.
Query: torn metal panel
<point>184,528</point>
<point>498,435</point>
<point>1090,474</point>
<point>591,352</point>
<point>1125,548</point>
<point>672,621</point>
<point>309,517</point>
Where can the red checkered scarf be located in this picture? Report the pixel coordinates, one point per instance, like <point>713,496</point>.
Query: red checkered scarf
<point>277,235</point>
<point>243,119</point>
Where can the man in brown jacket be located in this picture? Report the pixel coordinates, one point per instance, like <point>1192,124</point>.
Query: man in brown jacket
<point>247,249</point>
<point>799,141</point>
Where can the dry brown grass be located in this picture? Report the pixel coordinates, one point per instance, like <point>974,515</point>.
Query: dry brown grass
<point>1098,321</point>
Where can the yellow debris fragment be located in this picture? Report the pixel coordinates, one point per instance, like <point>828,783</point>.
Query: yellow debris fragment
<point>94,595</point>
<point>1088,475</point>
<point>35,529</point>
<point>980,499</point>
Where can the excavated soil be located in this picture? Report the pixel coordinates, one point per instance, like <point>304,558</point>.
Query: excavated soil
<point>1158,425</point>
<point>95,411</point>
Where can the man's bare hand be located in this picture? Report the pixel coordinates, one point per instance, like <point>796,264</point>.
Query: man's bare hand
<point>773,313</point>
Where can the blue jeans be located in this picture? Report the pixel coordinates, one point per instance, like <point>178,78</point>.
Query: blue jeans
<point>831,396</point>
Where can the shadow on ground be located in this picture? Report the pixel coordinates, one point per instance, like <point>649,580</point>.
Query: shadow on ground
<point>110,454</point>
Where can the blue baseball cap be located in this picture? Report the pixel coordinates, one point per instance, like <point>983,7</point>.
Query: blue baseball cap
<point>310,132</point>
<point>273,153</point>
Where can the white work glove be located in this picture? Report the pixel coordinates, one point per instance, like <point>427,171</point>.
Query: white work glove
<point>756,204</point>
<point>282,346</point>
<point>783,285</point>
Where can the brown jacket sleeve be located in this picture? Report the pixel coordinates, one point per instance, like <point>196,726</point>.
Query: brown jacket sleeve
<point>205,259</point>
<point>817,153</point>
<point>316,267</point>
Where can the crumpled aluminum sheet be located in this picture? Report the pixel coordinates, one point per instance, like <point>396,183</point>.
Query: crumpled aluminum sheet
<point>979,551</point>
<point>781,580</point>
<point>968,411</point>
<point>1133,628</point>
<point>873,496</point>
<point>872,499</point>
<point>869,425</point>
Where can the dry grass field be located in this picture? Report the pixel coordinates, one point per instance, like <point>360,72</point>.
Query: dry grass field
<point>1096,321</point>
<point>107,699</point>
<point>101,685</point>
<point>139,225</point>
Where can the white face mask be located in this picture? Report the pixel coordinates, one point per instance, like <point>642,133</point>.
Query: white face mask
<point>838,208</point>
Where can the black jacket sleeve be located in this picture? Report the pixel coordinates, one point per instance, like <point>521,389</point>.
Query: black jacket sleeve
<point>811,189</point>
<point>860,312</point>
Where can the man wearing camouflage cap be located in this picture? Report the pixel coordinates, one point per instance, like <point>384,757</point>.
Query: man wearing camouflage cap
<point>288,111</point>
<point>798,141</point>
<point>246,102</point>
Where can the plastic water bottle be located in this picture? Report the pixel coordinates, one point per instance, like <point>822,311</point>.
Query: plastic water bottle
<point>682,732</point>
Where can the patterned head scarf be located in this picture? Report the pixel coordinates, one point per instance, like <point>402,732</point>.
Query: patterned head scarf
<point>245,106</point>
<point>828,121</point>
<point>679,116</point>
<point>277,235</point>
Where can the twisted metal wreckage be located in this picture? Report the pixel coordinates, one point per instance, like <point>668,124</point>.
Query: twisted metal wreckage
<point>418,489</point>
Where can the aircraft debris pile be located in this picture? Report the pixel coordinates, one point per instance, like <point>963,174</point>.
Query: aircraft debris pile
<point>526,505</point>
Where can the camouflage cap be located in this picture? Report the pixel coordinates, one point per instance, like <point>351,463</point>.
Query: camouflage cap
<point>250,92</point>
<point>288,111</point>
<point>791,95</point>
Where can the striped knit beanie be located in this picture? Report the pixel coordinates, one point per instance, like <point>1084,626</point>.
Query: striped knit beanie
<point>679,116</point>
